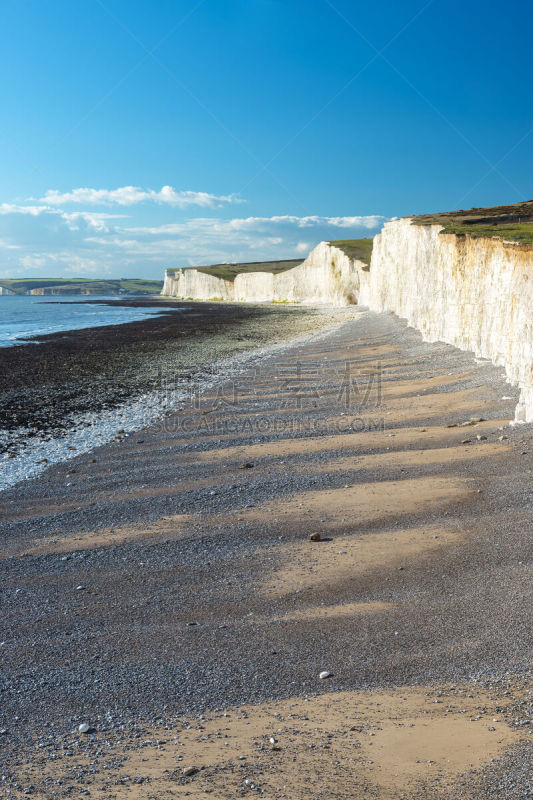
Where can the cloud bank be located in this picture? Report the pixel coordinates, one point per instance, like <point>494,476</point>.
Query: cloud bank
<point>132,195</point>
<point>46,238</point>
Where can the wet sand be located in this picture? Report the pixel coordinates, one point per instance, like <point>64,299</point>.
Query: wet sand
<point>206,615</point>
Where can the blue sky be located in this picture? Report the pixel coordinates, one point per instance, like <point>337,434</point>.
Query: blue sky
<point>137,135</point>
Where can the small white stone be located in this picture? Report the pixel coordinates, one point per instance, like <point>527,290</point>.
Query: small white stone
<point>83,728</point>
<point>324,675</point>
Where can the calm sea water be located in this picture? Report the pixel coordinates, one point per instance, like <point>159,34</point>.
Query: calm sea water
<point>35,316</point>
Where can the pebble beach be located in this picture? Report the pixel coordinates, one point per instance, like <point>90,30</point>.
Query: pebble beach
<point>312,580</point>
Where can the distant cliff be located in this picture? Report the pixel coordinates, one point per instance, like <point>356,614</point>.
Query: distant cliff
<point>465,278</point>
<point>79,286</point>
<point>196,285</point>
<point>327,276</point>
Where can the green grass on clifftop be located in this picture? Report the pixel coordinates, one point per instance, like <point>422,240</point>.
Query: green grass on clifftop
<point>513,223</point>
<point>360,249</point>
<point>229,272</point>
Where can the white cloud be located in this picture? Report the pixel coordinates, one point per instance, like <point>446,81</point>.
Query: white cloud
<point>131,195</point>
<point>33,211</point>
<point>49,241</point>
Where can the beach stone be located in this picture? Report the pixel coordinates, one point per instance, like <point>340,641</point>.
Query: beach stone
<point>188,771</point>
<point>315,537</point>
<point>325,674</point>
<point>83,728</point>
<point>247,465</point>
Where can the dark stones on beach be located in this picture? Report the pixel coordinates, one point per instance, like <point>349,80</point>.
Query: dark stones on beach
<point>188,772</point>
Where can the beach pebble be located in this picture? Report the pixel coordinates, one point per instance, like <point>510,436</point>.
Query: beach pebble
<point>315,537</point>
<point>80,588</point>
<point>325,674</point>
<point>188,771</point>
<point>83,728</point>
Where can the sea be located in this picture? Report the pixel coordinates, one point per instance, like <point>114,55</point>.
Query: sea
<point>25,316</point>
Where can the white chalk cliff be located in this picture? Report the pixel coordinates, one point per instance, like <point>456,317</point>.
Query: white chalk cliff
<point>474,293</point>
<point>326,277</point>
<point>195,285</point>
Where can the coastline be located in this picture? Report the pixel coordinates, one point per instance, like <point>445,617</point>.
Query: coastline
<point>165,589</point>
<point>75,390</point>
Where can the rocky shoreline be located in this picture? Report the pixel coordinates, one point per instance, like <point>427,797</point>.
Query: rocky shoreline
<point>74,387</point>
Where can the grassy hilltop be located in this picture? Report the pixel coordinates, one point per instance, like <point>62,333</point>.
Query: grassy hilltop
<point>360,249</point>
<point>229,272</point>
<point>82,286</point>
<point>513,223</point>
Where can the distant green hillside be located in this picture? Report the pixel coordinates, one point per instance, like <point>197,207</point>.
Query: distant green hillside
<point>229,272</point>
<point>82,286</point>
<point>360,249</point>
<point>514,222</point>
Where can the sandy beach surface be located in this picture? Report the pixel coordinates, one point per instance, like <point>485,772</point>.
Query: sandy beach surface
<point>163,589</point>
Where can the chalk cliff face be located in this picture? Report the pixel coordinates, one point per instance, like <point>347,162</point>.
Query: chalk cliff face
<point>327,276</point>
<point>254,287</point>
<point>474,293</point>
<point>190,283</point>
